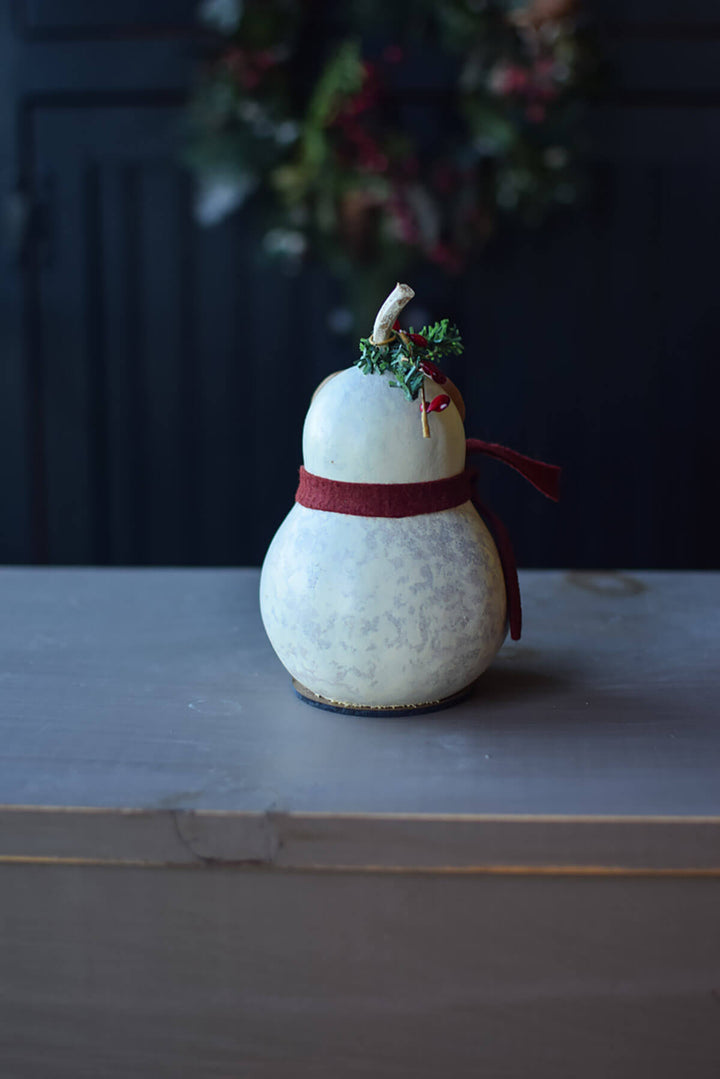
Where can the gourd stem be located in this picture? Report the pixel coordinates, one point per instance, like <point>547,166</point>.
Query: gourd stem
<point>398,298</point>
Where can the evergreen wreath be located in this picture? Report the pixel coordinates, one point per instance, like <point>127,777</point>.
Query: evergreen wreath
<point>331,130</point>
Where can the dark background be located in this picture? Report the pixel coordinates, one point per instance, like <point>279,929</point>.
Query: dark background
<point>154,377</point>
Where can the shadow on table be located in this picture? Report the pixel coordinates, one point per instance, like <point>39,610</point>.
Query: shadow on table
<point>516,683</point>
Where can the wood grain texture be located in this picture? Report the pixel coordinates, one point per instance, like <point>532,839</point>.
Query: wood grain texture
<point>374,843</point>
<point>158,690</point>
<point>482,891</point>
<point>224,974</point>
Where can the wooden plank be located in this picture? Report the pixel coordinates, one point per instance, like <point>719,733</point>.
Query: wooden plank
<point>158,689</point>
<point>374,843</point>
<point>151,973</point>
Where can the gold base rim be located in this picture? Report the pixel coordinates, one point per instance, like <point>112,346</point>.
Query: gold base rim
<point>370,710</point>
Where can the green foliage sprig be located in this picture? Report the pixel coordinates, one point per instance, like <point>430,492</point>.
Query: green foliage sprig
<point>404,356</point>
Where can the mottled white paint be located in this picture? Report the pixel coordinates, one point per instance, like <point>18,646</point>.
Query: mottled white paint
<point>381,611</point>
<point>378,611</point>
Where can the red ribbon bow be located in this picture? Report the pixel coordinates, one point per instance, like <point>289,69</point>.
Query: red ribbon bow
<point>545,478</point>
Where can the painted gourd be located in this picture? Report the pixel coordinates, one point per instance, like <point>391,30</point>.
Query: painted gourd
<point>382,612</point>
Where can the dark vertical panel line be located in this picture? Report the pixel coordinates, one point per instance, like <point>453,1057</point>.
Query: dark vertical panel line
<point>241,369</point>
<point>34,359</point>
<point>652,548</point>
<point>130,203</point>
<point>192,444</point>
<point>96,361</point>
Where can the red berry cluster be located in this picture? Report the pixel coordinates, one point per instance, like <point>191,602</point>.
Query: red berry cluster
<point>427,367</point>
<point>247,67</point>
<point>535,84</point>
<point>359,147</point>
<point>417,338</point>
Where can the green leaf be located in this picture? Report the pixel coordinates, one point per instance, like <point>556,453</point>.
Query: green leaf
<point>443,340</point>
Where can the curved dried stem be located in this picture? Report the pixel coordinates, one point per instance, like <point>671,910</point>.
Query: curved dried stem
<point>398,298</point>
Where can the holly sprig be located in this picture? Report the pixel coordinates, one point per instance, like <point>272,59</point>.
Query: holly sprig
<point>408,352</point>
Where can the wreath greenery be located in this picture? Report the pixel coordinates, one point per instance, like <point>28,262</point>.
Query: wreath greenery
<point>410,356</point>
<point>341,133</point>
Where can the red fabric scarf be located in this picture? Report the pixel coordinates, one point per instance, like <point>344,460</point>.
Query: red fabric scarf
<point>412,499</point>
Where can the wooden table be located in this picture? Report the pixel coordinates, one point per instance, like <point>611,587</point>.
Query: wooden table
<point>202,876</point>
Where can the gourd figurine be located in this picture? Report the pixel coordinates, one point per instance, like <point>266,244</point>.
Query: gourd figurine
<point>383,588</point>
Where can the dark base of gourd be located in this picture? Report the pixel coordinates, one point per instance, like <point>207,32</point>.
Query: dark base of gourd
<point>317,701</point>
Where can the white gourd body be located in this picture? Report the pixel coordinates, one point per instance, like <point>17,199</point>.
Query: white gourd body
<point>382,612</point>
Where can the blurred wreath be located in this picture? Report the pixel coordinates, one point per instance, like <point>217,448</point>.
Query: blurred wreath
<point>406,131</point>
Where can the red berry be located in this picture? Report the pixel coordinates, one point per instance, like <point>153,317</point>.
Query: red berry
<point>432,371</point>
<point>438,404</point>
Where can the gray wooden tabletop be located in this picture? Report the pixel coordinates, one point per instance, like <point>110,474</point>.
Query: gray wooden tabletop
<point>158,688</point>
<point>524,884</point>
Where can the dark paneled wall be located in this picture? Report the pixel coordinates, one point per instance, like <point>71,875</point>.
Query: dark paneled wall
<point>142,416</point>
